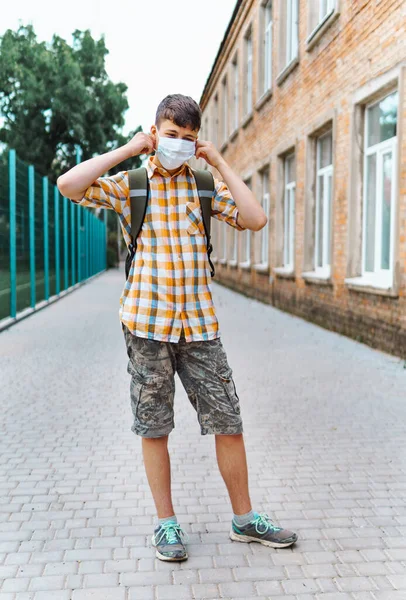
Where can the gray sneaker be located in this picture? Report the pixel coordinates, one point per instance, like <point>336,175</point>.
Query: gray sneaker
<point>169,540</point>
<point>264,531</point>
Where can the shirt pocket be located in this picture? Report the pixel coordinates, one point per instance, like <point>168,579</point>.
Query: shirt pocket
<point>194,219</point>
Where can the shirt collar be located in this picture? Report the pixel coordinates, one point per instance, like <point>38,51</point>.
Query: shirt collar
<point>152,168</point>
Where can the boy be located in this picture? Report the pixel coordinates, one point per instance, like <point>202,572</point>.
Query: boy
<point>167,312</point>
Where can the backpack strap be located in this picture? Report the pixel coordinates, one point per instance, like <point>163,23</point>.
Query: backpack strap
<point>138,184</point>
<point>205,187</point>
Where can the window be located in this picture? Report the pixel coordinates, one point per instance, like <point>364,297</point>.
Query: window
<point>225,111</point>
<point>222,242</point>
<point>324,178</point>
<point>245,236</point>
<point>326,7</point>
<point>380,155</point>
<point>266,54</point>
<point>289,213</point>
<point>236,94</point>
<point>321,14</point>
<point>291,30</point>
<point>215,120</point>
<point>262,237</point>
<point>248,73</point>
<point>234,247</point>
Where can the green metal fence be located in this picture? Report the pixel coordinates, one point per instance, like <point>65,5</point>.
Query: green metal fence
<point>48,245</point>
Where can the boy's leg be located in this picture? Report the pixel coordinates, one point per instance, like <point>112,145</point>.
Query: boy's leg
<point>151,366</point>
<point>232,462</point>
<point>207,378</point>
<point>158,469</point>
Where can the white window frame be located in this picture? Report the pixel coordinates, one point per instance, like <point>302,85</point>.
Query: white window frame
<point>248,71</point>
<point>246,235</point>
<point>225,115</point>
<point>326,173</point>
<point>222,240</point>
<point>289,201</point>
<point>264,233</point>
<point>268,42</point>
<point>233,260</point>
<point>381,278</point>
<point>236,92</point>
<point>292,31</point>
<point>331,6</point>
<point>215,120</point>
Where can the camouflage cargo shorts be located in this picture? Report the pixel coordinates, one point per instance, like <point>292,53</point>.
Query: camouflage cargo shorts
<point>205,374</point>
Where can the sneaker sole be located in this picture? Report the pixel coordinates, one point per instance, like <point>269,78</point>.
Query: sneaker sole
<point>168,558</point>
<point>247,539</point>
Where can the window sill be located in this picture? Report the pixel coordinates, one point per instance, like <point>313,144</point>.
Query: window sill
<point>214,259</point>
<point>284,272</point>
<point>245,266</point>
<point>233,264</point>
<point>222,261</point>
<point>321,28</point>
<point>287,70</point>
<point>318,278</point>
<point>233,135</point>
<point>247,120</point>
<point>263,99</point>
<point>262,268</point>
<point>367,285</point>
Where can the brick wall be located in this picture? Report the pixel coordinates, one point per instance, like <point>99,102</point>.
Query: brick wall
<point>363,45</point>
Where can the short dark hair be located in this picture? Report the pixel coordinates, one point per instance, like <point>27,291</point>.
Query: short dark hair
<point>182,110</point>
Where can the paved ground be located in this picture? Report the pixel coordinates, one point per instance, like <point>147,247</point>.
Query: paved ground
<point>325,422</point>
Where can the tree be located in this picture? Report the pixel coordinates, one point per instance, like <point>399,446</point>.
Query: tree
<point>55,96</point>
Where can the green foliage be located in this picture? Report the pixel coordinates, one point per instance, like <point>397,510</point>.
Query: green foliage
<point>55,96</point>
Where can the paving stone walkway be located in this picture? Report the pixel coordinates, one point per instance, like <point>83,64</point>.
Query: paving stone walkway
<point>325,423</point>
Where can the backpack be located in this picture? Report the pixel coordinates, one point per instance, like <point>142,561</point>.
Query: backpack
<point>139,193</point>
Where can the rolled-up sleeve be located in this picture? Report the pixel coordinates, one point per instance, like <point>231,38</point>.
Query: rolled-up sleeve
<point>107,192</point>
<point>224,207</point>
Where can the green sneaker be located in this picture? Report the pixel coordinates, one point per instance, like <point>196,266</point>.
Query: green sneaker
<point>264,531</point>
<point>169,540</point>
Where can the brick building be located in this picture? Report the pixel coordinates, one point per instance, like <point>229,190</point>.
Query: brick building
<point>307,101</point>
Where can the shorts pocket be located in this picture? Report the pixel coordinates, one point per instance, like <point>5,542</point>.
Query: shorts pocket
<point>151,401</point>
<point>226,378</point>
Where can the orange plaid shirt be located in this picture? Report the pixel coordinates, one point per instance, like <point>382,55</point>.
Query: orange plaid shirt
<point>169,284</point>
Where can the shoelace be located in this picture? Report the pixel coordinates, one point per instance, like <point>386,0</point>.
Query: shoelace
<point>263,523</point>
<point>171,532</point>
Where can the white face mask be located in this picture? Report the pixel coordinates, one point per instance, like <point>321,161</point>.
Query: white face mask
<point>173,152</point>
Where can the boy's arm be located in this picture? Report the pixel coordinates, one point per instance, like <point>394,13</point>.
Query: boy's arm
<point>251,215</point>
<point>74,183</point>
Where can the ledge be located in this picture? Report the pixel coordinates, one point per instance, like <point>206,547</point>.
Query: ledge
<point>317,278</point>
<point>367,286</point>
<point>321,28</point>
<point>263,99</point>
<point>245,266</point>
<point>247,120</point>
<point>233,264</point>
<point>262,268</point>
<point>287,70</point>
<point>233,135</point>
<point>222,261</point>
<point>284,273</point>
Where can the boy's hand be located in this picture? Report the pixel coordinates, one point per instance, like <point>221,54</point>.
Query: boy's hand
<point>209,152</point>
<point>142,143</point>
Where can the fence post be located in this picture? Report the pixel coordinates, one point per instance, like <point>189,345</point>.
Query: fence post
<point>13,248</point>
<point>65,243</point>
<point>72,233</point>
<point>79,211</point>
<point>86,244</point>
<point>46,235</point>
<point>31,213</point>
<point>57,249</point>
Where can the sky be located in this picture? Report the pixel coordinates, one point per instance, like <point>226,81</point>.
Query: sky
<point>156,47</point>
